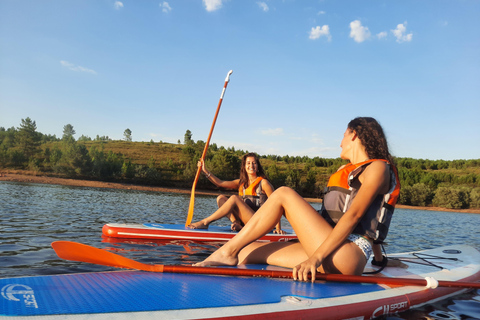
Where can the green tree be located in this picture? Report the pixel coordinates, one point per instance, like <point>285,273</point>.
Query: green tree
<point>102,138</point>
<point>274,175</point>
<point>421,195</point>
<point>28,138</point>
<point>84,138</point>
<point>451,198</point>
<point>128,135</point>
<point>405,195</point>
<point>293,177</point>
<point>68,132</point>
<point>309,186</point>
<point>55,155</point>
<point>225,165</point>
<point>475,198</point>
<point>187,140</point>
<point>128,169</point>
<point>7,142</point>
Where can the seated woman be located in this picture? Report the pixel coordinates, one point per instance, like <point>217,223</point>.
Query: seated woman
<point>254,189</point>
<point>356,211</point>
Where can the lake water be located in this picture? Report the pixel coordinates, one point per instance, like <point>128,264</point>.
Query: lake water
<point>32,216</point>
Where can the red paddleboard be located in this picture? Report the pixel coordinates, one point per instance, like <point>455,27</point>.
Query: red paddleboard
<point>127,295</point>
<point>180,232</point>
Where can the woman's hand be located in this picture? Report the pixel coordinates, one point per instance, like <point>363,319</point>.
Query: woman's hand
<point>279,231</point>
<point>301,271</point>
<point>201,164</point>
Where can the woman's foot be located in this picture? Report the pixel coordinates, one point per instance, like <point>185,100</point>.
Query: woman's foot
<point>218,258</point>
<point>198,225</point>
<point>236,226</point>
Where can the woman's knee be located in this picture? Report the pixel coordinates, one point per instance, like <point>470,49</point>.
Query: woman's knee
<point>282,193</point>
<point>221,199</point>
<point>235,198</point>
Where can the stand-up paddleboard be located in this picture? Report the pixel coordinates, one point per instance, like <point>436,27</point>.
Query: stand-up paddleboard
<point>150,295</point>
<point>180,232</point>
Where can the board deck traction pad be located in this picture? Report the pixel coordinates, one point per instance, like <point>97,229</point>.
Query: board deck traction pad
<point>129,291</point>
<point>135,291</point>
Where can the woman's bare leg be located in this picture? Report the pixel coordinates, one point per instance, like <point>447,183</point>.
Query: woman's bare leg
<point>236,225</point>
<point>234,205</point>
<point>311,230</point>
<point>290,254</point>
<point>221,199</point>
<point>284,254</point>
<point>310,227</point>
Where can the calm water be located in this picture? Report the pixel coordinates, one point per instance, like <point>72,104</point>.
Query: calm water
<point>32,216</point>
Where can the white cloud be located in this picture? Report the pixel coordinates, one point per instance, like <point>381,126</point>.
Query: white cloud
<point>272,132</point>
<point>358,32</point>
<point>263,6</point>
<point>316,139</point>
<point>382,35</point>
<point>318,32</point>
<point>118,5</point>
<point>212,5</point>
<point>165,7</point>
<point>400,33</point>
<point>321,12</point>
<point>73,67</point>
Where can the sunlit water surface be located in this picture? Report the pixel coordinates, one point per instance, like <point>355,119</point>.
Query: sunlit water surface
<point>32,216</point>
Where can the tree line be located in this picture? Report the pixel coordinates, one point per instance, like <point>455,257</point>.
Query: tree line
<point>448,184</point>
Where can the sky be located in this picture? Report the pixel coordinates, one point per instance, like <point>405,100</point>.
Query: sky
<point>301,71</point>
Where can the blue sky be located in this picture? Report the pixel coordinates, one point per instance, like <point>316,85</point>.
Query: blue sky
<point>301,71</point>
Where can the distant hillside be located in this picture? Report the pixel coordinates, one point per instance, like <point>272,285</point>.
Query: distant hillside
<point>448,184</point>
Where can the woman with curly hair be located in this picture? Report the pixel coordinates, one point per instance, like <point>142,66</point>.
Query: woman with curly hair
<point>356,211</point>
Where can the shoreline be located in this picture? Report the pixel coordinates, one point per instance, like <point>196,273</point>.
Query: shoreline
<point>28,178</point>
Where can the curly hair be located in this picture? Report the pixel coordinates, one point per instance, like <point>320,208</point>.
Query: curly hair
<point>243,172</point>
<point>370,132</point>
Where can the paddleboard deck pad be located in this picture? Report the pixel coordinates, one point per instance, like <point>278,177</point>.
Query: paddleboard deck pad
<point>180,232</point>
<point>147,295</point>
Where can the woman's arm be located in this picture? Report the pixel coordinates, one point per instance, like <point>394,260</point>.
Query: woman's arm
<point>234,184</point>
<point>267,187</point>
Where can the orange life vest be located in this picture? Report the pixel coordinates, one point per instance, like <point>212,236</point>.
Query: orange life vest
<point>253,195</point>
<point>340,194</point>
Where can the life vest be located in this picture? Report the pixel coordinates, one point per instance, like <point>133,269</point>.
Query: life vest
<point>340,193</point>
<point>253,195</point>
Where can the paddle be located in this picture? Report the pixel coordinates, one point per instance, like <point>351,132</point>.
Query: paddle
<point>81,252</point>
<point>192,197</point>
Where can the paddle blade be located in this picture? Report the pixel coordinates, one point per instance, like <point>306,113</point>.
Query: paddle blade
<point>191,206</point>
<point>80,252</point>
<point>190,209</point>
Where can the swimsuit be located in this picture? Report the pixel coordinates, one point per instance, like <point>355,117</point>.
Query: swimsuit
<point>362,243</point>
